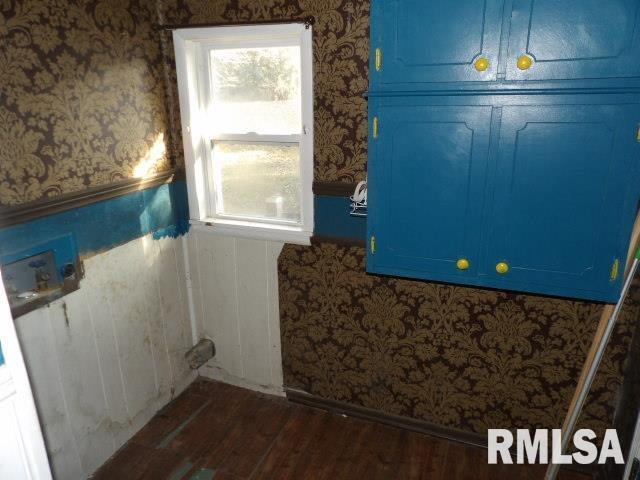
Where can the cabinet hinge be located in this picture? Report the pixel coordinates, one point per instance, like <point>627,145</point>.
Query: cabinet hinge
<point>372,244</point>
<point>375,127</point>
<point>378,59</point>
<point>614,270</point>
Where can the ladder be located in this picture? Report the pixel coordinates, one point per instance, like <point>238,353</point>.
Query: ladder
<point>591,366</point>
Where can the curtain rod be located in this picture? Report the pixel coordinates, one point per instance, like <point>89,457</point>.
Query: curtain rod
<point>307,23</point>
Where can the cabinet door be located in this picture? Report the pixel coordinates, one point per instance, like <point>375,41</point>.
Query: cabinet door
<point>426,175</point>
<point>423,41</point>
<point>574,39</point>
<point>563,209</point>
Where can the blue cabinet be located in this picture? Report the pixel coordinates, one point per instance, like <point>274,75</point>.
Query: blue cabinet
<point>424,190</point>
<point>528,194</point>
<point>574,39</point>
<point>522,175</point>
<point>426,44</point>
<point>418,41</point>
<point>562,193</point>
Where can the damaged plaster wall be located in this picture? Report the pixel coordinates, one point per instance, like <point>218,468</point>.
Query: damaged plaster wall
<point>104,359</point>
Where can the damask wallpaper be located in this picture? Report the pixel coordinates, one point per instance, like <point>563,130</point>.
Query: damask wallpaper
<point>341,53</point>
<point>88,96</point>
<point>87,88</point>
<point>458,357</point>
<point>82,98</point>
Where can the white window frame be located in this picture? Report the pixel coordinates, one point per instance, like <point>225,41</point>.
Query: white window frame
<point>191,47</point>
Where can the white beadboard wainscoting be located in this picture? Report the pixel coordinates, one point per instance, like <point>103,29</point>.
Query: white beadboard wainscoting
<point>104,359</point>
<point>235,303</point>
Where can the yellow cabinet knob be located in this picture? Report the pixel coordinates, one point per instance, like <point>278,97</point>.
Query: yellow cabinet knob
<point>502,268</point>
<point>462,264</point>
<point>525,62</point>
<point>481,64</point>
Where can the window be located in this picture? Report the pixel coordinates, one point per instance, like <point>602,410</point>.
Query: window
<point>246,105</point>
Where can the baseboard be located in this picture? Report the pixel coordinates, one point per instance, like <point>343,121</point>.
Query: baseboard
<point>214,372</point>
<point>411,424</point>
<point>405,423</point>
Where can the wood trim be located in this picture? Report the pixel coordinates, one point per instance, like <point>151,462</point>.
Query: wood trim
<point>343,241</point>
<point>334,189</point>
<point>48,206</point>
<point>307,22</point>
<point>406,423</point>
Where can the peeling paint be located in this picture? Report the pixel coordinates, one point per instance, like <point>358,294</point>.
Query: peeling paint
<point>102,226</point>
<point>176,230</point>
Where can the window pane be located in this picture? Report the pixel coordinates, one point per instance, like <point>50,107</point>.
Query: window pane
<point>258,180</point>
<point>256,90</point>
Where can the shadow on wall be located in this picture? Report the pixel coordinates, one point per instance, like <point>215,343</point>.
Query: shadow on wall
<point>84,98</point>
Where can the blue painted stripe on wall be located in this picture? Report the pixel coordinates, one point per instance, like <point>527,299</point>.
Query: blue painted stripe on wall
<point>94,228</point>
<point>332,219</point>
<point>161,210</point>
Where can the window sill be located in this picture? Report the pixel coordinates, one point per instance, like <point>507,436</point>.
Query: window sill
<point>274,233</point>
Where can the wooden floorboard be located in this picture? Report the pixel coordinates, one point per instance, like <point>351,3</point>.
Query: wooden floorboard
<point>215,431</point>
<point>169,419</point>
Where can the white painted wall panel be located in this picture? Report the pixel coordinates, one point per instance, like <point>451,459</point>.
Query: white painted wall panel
<point>104,359</point>
<point>36,338</point>
<point>235,286</point>
<point>219,289</point>
<point>253,309</point>
<point>99,296</point>
<point>79,372</point>
<point>173,305</point>
<point>275,347</point>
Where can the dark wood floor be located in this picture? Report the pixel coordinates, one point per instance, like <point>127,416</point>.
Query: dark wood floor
<point>217,431</point>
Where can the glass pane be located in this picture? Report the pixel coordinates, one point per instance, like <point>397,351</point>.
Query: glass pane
<point>258,180</point>
<point>256,90</point>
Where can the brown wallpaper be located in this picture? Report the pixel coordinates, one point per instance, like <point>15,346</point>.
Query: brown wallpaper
<point>459,357</point>
<point>84,89</point>
<point>340,51</point>
<point>81,95</point>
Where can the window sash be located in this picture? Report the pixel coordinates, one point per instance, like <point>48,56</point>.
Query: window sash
<point>216,185</point>
<point>206,85</point>
<point>193,59</point>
